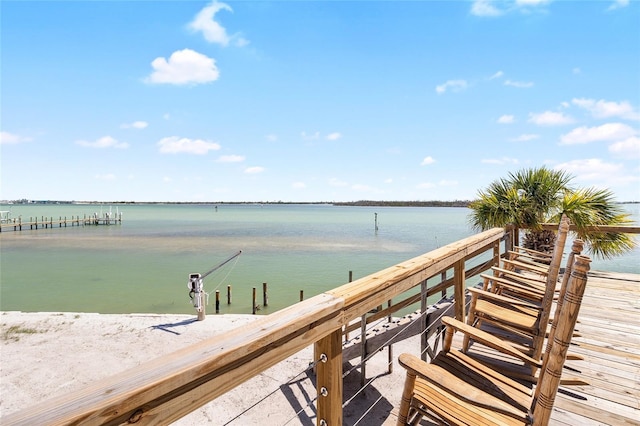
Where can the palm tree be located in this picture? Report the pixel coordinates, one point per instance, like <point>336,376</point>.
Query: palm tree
<point>530,197</point>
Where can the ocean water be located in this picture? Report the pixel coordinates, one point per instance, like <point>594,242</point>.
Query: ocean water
<point>143,264</point>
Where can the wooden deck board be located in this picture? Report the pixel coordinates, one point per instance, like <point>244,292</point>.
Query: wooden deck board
<point>610,343</point>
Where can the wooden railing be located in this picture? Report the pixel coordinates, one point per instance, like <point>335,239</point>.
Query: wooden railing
<point>167,388</point>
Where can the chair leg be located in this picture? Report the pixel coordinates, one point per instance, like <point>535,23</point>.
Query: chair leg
<point>405,403</point>
<point>473,321</point>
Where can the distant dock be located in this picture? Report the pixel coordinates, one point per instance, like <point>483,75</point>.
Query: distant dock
<point>18,224</point>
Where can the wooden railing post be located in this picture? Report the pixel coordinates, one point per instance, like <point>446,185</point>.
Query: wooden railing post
<point>458,288</point>
<point>329,379</point>
<point>496,253</point>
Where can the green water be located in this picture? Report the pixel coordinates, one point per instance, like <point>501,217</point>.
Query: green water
<point>143,264</point>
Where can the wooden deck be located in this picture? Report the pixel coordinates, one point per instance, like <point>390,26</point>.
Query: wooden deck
<point>609,341</point>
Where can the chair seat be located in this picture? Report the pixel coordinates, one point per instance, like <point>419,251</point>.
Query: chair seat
<point>520,317</point>
<point>463,391</point>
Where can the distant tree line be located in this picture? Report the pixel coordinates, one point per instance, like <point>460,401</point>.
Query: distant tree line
<point>433,203</point>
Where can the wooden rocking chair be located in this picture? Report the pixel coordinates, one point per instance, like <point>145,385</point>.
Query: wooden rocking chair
<point>455,389</point>
<point>525,320</point>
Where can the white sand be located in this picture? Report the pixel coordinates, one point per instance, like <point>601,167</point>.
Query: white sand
<point>49,354</point>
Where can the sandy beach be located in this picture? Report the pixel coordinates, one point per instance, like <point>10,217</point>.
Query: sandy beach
<point>50,354</point>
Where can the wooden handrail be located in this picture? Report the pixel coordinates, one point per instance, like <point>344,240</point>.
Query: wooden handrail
<point>167,388</point>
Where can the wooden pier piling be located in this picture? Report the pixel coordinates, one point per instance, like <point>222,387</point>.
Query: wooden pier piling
<point>265,298</point>
<point>253,302</point>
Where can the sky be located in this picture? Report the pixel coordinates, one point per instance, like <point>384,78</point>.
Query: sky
<point>307,101</point>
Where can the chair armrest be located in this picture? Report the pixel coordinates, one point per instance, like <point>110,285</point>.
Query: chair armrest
<point>489,340</point>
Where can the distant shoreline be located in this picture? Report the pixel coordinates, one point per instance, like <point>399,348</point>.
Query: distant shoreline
<point>360,203</point>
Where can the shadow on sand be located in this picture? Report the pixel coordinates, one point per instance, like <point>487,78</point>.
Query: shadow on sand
<point>168,327</point>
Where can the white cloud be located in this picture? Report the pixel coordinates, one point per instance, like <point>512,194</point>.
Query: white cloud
<point>427,161</point>
<point>106,177</point>
<point>628,148</point>
<point>176,145</point>
<point>519,84</point>
<point>212,31</point>
<point>496,75</point>
<point>104,142</point>
<point>298,185</point>
<point>592,169</point>
<point>453,85</point>
<point>532,2</point>
<point>576,70</point>
<point>499,161</point>
<point>241,41</point>
<point>11,138</point>
<point>254,170</point>
<point>618,4</point>
<point>607,109</point>
<point>506,119</point>
<point>231,159</point>
<point>337,182</point>
<point>493,8</point>
<point>166,179</point>
<point>334,136</point>
<point>312,136</point>
<point>443,182</point>
<point>485,8</point>
<point>166,116</point>
<point>550,118</point>
<point>271,137</point>
<point>605,132</point>
<point>525,137</point>
<point>184,67</point>
<point>134,125</point>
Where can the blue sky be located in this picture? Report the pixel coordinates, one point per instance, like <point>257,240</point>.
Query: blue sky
<point>314,101</point>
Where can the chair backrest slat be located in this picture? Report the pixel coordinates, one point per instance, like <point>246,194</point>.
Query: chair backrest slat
<point>552,279</point>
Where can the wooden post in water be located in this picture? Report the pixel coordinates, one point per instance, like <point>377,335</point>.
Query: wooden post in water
<point>265,298</point>
<point>301,295</point>
<point>253,302</point>
<point>217,301</point>
<point>228,295</point>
